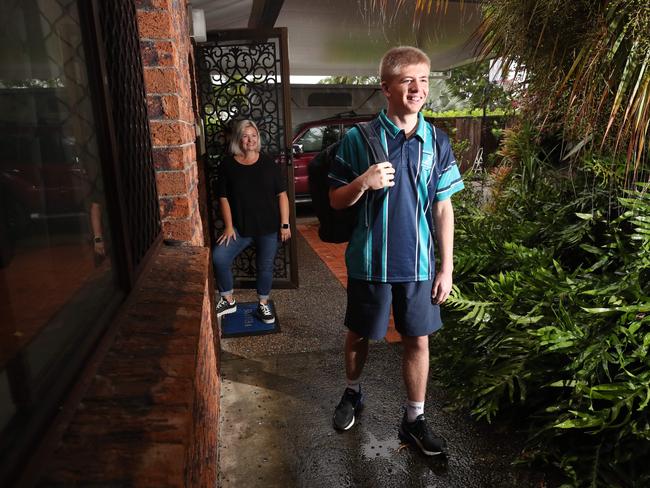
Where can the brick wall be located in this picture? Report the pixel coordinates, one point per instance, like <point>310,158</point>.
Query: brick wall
<point>150,416</point>
<point>167,58</point>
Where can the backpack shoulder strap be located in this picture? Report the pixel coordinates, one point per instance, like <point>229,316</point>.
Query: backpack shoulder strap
<point>373,140</point>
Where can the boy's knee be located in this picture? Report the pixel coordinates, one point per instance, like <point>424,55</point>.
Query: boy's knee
<point>356,338</point>
<point>416,343</point>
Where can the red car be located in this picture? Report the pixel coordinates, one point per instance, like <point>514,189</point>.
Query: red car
<point>314,136</point>
<point>311,138</point>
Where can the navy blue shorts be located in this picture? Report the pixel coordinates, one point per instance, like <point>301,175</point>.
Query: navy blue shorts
<point>369,302</point>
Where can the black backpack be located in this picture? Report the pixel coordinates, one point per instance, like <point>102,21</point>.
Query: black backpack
<point>336,226</point>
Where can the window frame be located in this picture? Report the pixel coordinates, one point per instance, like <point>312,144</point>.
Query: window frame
<point>23,462</point>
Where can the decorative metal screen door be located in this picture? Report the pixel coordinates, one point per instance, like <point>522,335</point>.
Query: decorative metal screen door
<point>244,74</point>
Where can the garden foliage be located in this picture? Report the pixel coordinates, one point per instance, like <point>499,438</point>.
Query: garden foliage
<point>549,322</point>
<point>587,66</point>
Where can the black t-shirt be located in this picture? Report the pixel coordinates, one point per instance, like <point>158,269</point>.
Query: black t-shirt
<point>252,192</point>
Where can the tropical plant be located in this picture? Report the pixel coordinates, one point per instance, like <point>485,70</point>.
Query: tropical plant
<point>350,80</point>
<point>461,113</point>
<point>550,316</point>
<point>471,83</point>
<point>587,64</point>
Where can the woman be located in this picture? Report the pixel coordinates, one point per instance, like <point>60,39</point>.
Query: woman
<point>254,205</point>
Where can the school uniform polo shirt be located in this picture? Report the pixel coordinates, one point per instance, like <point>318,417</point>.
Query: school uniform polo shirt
<point>394,237</point>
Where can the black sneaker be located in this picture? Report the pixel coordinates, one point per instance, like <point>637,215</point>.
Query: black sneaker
<point>224,307</point>
<point>420,434</point>
<point>264,313</point>
<point>351,403</point>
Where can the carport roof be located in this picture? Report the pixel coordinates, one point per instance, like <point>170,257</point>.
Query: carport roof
<point>345,37</point>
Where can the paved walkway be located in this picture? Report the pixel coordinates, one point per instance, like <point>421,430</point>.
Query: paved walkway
<point>333,255</point>
<point>279,392</point>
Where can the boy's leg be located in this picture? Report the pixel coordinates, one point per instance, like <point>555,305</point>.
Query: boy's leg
<point>415,367</point>
<point>366,317</point>
<point>415,318</point>
<point>356,353</point>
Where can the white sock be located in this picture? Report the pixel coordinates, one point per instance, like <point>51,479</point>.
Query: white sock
<point>413,409</point>
<point>354,384</point>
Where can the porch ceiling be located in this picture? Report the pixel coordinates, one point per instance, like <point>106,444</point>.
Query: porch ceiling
<point>343,37</point>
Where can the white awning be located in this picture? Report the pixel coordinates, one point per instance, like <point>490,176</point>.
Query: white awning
<point>343,37</point>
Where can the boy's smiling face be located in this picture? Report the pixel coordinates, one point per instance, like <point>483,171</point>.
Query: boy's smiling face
<point>407,91</point>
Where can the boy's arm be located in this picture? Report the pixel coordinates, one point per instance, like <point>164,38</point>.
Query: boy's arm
<point>380,175</point>
<point>443,215</point>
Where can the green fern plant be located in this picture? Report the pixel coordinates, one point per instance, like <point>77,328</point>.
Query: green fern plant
<point>550,319</point>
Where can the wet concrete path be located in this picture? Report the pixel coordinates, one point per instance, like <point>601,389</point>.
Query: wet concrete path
<point>279,392</point>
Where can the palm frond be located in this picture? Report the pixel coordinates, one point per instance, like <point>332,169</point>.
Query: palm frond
<point>588,65</point>
<point>388,10</point>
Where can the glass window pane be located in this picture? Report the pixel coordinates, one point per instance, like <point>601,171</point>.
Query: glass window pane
<point>331,135</point>
<point>312,140</point>
<point>55,280</point>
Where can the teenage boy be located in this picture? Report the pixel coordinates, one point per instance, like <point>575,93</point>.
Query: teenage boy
<point>403,204</point>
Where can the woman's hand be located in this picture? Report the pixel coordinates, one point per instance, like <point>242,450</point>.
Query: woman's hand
<point>285,234</point>
<point>228,233</point>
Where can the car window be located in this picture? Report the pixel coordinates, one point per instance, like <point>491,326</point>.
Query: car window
<point>318,138</point>
<point>331,135</point>
<point>312,140</point>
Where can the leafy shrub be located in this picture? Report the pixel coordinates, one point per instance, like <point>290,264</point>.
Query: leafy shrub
<point>466,112</point>
<point>586,68</point>
<point>550,315</point>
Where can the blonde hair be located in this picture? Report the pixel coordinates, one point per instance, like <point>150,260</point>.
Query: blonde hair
<point>235,141</point>
<point>398,57</point>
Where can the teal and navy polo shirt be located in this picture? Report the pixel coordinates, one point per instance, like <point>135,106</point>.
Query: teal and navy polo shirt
<point>394,237</point>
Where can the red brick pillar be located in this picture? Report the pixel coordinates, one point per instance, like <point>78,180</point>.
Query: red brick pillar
<point>166,50</point>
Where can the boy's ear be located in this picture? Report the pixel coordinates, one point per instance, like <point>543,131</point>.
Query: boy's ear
<point>384,87</point>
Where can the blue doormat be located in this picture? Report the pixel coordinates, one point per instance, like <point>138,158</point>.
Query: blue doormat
<point>243,322</point>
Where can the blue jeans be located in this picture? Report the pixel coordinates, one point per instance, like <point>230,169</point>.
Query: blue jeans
<point>265,248</point>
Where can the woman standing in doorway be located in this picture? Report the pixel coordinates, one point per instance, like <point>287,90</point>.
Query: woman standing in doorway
<point>254,207</point>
